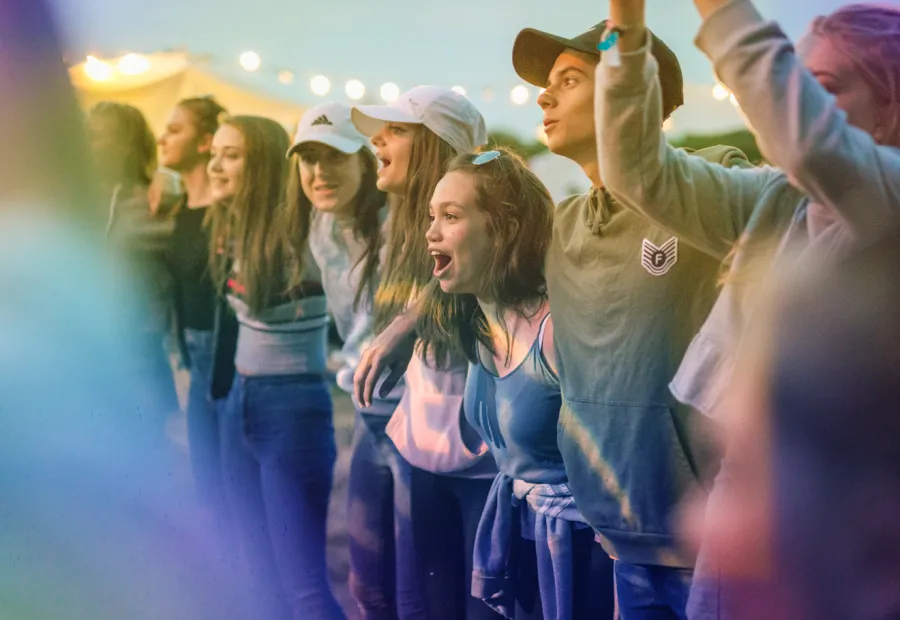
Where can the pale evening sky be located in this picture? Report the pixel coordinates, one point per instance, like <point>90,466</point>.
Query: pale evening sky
<point>409,42</point>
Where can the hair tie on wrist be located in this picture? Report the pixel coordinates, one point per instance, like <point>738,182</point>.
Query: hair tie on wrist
<point>608,45</point>
<point>609,40</point>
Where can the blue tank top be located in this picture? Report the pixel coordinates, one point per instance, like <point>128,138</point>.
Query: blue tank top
<point>516,415</point>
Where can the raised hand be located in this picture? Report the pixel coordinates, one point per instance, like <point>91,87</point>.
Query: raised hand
<point>390,350</point>
<point>628,15</point>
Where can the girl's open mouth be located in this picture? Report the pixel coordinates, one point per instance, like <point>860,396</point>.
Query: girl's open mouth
<point>441,262</point>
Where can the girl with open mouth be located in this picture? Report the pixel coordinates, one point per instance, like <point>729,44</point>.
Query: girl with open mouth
<point>415,138</point>
<point>491,223</point>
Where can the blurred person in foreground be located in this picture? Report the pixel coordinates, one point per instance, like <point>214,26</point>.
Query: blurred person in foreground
<point>92,524</point>
<point>810,528</point>
<point>123,154</point>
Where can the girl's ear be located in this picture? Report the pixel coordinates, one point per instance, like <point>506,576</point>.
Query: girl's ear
<point>205,144</point>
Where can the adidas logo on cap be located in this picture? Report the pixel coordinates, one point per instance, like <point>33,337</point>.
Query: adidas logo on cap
<point>322,120</point>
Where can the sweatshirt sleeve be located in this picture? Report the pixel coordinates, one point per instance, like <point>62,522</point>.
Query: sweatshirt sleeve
<point>357,340</point>
<point>707,204</point>
<point>797,122</point>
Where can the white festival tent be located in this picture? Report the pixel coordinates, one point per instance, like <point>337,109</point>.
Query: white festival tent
<point>153,83</point>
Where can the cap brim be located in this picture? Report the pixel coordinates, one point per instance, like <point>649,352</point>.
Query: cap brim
<point>369,119</point>
<point>535,51</point>
<point>344,145</point>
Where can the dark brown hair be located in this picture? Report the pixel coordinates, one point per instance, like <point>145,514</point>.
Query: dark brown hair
<point>249,228</point>
<point>519,213</point>
<point>133,133</point>
<point>366,221</point>
<point>407,266</point>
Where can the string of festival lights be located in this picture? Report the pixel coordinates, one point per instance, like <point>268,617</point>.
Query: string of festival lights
<point>320,85</point>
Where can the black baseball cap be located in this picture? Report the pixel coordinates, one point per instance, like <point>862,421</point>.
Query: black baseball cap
<point>535,51</point>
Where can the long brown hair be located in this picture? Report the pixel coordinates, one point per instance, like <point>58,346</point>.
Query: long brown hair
<point>520,226</point>
<point>249,228</point>
<point>407,266</point>
<point>366,221</point>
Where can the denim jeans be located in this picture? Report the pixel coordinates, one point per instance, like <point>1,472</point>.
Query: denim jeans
<point>383,566</point>
<point>592,590</point>
<point>278,455</point>
<point>446,511</point>
<point>203,420</point>
<point>652,592</point>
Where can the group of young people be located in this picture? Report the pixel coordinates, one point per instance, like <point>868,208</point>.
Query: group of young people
<point>538,386</point>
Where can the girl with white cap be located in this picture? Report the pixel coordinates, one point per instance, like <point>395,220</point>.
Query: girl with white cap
<point>415,138</point>
<point>333,201</point>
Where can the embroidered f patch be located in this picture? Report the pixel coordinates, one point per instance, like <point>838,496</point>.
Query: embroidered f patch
<point>658,260</point>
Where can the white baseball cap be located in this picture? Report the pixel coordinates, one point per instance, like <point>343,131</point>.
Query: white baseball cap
<point>445,112</point>
<point>330,124</point>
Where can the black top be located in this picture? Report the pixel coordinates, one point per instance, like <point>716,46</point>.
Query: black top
<point>188,258</point>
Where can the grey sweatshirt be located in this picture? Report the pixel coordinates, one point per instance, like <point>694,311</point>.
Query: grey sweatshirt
<point>832,186</point>
<point>336,252</point>
<point>627,296</point>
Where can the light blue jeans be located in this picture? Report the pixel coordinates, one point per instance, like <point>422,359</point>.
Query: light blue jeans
<point>278,455</point>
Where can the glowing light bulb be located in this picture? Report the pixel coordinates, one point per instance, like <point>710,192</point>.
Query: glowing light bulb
<point>97,70</point>
<point>250,61</point>
<point>519,95</point>
<point>390,92</point>
<point>355,89</point>
<point>720,93</point>
<point>133,64</point>
<point>320,85</point>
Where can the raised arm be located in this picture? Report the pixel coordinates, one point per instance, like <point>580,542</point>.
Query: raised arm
<point>706,203</point>
<point>797,122</point>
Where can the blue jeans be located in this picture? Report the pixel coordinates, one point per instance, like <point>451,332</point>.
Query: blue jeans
<point>203,420</point>
<point>383,566</point>
<point>278,455</point>
<point>592,590</point>
<point>446,511</point>
<point>651,592</point>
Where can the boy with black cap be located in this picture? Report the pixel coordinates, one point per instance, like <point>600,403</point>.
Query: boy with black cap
<point>626,299</point>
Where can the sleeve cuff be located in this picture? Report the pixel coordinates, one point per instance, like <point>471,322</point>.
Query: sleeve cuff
<point>725,28</point>
<point>631,72</point>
